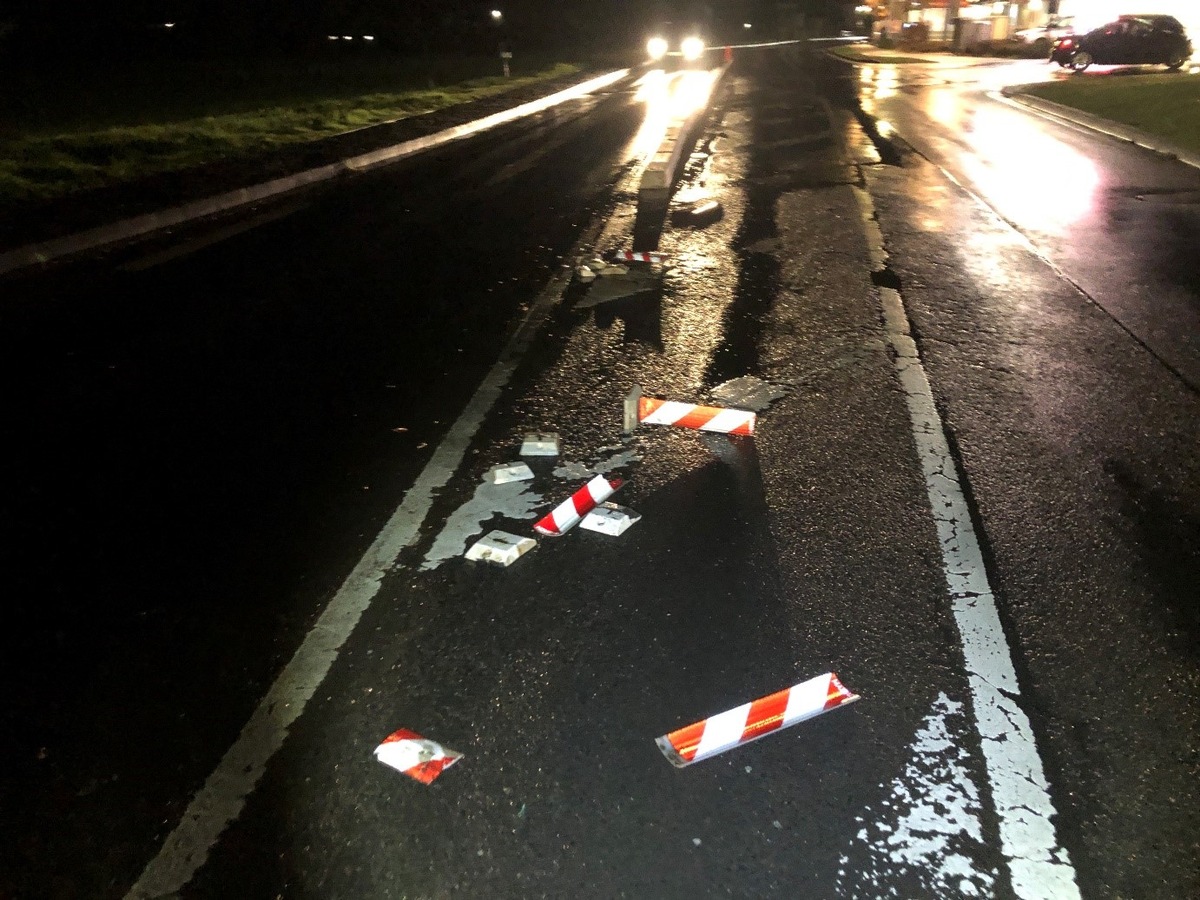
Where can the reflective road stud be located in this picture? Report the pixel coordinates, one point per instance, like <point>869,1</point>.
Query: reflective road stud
<point>652,411</point>
<point>751,721</point>
<point>500,547</point>
<point>568,513</point>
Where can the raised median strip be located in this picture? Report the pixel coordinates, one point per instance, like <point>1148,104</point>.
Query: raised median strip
<point>662,170</point>
<point>138,226</point>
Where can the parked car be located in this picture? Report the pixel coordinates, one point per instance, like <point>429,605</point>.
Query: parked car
<point>1043,37</point>
<point>1129,41</point>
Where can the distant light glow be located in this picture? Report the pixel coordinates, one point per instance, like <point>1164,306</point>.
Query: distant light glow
<point>497,15</point>
<point>347,37</point>
<point>368,37</point>
<point>332,37</point>
<point>168,24</point>
<point>745,24</point>
<point>692,48</point>
<point>656,48</point>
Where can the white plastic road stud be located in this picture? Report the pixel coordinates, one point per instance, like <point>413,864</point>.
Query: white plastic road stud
<point>540,444</point>
<point>751,721</point>
<point>567,514</point>
<point>500,547</point>
<point>652,411</point>
<point>585,274</point>
<point>608,518</point>
<point>506,472</point>
<point>610,271</point>
<point>416,757</point>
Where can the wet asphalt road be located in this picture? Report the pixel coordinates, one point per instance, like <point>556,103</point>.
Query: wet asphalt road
<point>206,447</point>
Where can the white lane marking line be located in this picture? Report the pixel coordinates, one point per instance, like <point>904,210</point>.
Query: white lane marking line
<point>927,839</point>
<point>219,802</point>
<point>213,237</point>
<point>1039,868</point>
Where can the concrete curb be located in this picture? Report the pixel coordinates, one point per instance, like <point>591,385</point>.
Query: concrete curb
<point>664,165</point>
<point>138,226</point>
<point>1104,126</point>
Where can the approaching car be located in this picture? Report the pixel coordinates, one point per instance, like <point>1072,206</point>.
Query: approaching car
<point>1129,41</point>
<point>677,40</point>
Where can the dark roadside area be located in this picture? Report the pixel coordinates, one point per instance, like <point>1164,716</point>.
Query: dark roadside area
<point>35,221</point>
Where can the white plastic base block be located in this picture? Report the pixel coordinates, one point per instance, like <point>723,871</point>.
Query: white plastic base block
<point>538,444</point>
<point>506,472</point>
<point>609,518</point>
<point>500,547</point>
<point>585,274</point>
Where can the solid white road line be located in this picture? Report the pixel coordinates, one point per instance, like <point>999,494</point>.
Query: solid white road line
<point>220,800</point>
<point>1039,868</point>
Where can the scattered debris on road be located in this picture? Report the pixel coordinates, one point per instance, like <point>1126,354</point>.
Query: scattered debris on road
<point>652,411</point>
<point>611,519</point>
<point>540,444</point>
<point>506,472</point>
<point>415,756</point>
<point>751,721</point>
<point>567,514</point>
<point>500,547</point>
<point>748,392</point>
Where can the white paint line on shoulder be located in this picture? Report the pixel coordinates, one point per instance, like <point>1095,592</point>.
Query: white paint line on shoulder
<point>1039,868</point>
<point>220,801</point>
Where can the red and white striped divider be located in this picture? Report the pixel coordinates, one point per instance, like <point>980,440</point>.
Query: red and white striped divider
<point>652,411</point>
<point>415,756</point>
<point>567,514</point>
<point>630,256</point>
<point>751,721</point>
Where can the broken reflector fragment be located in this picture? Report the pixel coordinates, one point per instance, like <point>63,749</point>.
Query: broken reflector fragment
<point>416,757</point>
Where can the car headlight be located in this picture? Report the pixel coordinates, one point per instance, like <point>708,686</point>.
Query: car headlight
<point>656,48</point>
<point>692,48</point>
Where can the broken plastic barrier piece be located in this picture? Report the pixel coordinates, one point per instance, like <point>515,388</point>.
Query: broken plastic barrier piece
<point>705,211</point>
<point>416,757</point>
<point>646,257</point>
<point>751,721</point>
<point>567,514</point>
<point>506,472</point>
<point>500,547</point>
<point>652,411</point>
<point>608,518</point>
<point>540,444</point>
<point>585,274</point>
<point>748,392</point>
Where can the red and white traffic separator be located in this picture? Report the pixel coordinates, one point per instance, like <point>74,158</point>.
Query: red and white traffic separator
<point>652,411</point>
<point>630,256</point>
<point>751,721</point>
<point>415,756</point>
<point>567,514</point>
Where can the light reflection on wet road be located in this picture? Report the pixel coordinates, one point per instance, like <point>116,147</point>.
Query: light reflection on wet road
<point>1119,221</point>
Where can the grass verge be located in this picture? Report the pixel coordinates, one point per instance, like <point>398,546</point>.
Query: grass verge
<point>855,53</point>
<point>1165,105</point>
<point>130,128</point>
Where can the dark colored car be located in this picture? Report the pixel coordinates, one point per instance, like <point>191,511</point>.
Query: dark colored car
<point>1129,41</point>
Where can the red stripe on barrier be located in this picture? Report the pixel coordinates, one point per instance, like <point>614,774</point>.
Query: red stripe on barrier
<point>686,741</point>
<point>698,417</point>
<point>766,714</point>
